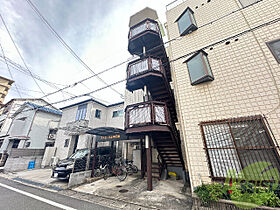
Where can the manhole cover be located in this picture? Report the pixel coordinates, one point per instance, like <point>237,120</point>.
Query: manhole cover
<point>123,191</point>
<point>118,186</point>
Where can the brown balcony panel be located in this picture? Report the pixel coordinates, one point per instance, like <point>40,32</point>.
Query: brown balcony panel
<point>145,34</point>
<point>146,71</point>
<point>149,116</point>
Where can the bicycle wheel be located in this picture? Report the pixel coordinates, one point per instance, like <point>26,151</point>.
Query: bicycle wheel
<point>121,174</point>
<point>106,173</point>
<point>134,168</point>
<point>97,173</point>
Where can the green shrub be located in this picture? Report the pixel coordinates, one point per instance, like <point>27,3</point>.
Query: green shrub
<point>244,192</point>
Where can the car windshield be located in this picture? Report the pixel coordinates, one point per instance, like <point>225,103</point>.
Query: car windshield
<point>79,154</point>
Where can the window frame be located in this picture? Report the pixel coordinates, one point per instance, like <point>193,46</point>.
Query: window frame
<point>96,115</point>
<point>192,27</point>
<point>231,121</point>
<point>15,145</point>
<point>240,1</point>
<point>272,50</point>
<point>119,113</point>
<point>66,142</point>
<point>81,112</point>
<point>207,77</point>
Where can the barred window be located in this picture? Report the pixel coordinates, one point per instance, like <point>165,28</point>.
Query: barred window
<point>239,143</point>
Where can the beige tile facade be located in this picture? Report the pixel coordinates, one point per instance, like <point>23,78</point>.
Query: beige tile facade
<point>247,76</point>
<point>5,85</point>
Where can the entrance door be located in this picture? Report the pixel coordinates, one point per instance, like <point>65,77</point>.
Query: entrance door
<point>76,139</point>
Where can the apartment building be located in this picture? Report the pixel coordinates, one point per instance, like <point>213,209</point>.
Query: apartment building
<point>28,123</point>
<point>5,85</point>
<point>79,118</point>
<point>225,67</point>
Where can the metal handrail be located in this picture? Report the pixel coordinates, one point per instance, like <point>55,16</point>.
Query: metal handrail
<point>146,113</point>
<point>141,66</point>
<point>145,25</point>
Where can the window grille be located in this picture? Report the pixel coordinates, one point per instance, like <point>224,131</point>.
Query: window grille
<point>239,143</point>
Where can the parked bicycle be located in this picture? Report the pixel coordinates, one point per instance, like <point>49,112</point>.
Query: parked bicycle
<point>130,167</point>
<point>107,169</point>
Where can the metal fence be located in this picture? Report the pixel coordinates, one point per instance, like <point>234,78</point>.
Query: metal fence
<point>243,145</point>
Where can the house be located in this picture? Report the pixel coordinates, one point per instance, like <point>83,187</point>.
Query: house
<point>225,65</point>
<point>5,85</point>
<point>79,118</point>
<point>28,123</point>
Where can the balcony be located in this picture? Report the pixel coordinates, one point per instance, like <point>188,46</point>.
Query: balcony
<point>144,72</point>
<point>145,33</point>
<point>149,116</point>
<point>76,127</point>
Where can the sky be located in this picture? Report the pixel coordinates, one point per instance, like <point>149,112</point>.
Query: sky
<point>97,30</point>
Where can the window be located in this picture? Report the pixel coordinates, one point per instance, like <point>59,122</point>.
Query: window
<point>27,144</point>
<point>239,143</point>
<point>274,47</point>
<point>66,142</point>
<point>199,68</point>
<point>81,113</point>
<point>186,22</point>
<point>15,143</point>
<point>246,3</point>
<point>118,113</point>
<point>98,113</point>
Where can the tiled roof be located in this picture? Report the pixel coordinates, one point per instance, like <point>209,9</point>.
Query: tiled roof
<point>43,108</point>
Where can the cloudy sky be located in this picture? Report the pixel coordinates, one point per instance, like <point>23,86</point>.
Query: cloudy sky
<point>95,29</point>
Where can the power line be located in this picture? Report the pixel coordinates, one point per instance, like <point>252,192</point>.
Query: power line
<point>35,9</point>
<point>176,59</point>
<point>9,70</point>
<point>25,71</point>
<point>129,59</point>
<point>20,54</point>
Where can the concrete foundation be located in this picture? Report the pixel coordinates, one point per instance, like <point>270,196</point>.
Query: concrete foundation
<point>78,178</point>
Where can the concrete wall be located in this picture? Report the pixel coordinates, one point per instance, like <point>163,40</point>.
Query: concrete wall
<point>21,163</point>
<point>78,178</point>
<point>247,76</point>
<point>49,153</point>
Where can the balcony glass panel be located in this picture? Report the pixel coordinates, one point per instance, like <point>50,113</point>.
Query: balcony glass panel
<point>138,29</point>
<point>160,114</point>
<point>155,64</point>
<point>153,26</point>
<point>139,67</point>
<point>140,116</point>
<point>143,27</point>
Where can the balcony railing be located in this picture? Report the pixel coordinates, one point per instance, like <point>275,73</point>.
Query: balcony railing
<point>141,66</point>
<point>143,26</point>
<point>146,113</point>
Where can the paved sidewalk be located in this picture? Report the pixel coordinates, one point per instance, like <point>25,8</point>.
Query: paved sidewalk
<point>165,195</point>
<point>37,177</point>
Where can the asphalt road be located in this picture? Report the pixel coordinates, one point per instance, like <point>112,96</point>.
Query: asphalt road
<point>16,196</point>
